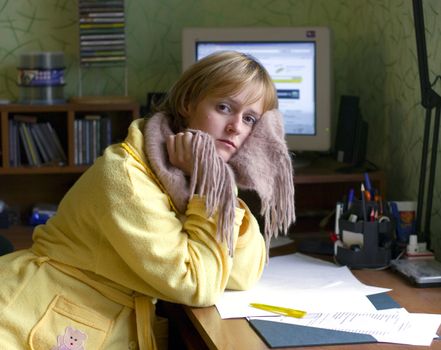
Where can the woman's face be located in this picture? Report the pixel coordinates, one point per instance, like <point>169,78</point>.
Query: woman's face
<point>229,120</point>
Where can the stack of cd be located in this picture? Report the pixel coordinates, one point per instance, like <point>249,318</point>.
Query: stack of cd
<point>41,78</point>
<point>102,33</point>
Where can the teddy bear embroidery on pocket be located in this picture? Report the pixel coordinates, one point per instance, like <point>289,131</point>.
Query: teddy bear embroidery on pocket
<point>72,339</point>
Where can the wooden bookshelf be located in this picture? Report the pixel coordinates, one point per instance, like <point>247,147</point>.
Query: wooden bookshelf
<point>23,186</point>
<point>62,118</point>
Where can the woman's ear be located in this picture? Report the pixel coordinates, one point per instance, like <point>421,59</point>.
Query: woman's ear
<point>186,111</point>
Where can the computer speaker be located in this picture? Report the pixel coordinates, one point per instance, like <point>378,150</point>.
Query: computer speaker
<point>352,131</point>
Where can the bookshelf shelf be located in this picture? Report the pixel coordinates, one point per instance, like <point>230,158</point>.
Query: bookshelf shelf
<point>24,184</point>
<point>43,170</point>
<point>62,119</point>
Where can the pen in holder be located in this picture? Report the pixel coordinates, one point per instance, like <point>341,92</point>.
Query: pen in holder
<point>366,231</point>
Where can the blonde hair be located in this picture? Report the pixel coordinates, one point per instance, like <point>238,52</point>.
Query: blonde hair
<point>221,74</point>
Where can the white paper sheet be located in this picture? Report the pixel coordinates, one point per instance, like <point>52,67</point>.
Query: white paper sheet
<point>299,271</point>
<point>391,326</point>
<point>300,282</point>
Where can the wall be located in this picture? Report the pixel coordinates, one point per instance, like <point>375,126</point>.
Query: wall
<point>374,57</point>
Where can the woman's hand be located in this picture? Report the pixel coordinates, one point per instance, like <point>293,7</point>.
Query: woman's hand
<point>180,151</point>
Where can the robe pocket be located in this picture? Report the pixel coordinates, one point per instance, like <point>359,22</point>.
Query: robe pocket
<point>65,320</point>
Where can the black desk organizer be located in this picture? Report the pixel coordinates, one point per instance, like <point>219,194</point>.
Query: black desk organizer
<point>378,237</point>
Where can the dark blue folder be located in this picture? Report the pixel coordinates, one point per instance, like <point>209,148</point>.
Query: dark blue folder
<point>280,335</point>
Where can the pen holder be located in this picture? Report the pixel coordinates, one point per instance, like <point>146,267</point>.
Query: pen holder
<point>366,244</point>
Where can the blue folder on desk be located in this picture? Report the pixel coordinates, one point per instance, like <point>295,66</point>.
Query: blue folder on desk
<point>279,335</point>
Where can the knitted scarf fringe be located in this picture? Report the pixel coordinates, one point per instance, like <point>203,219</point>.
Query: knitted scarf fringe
<point>279,210</point>
<point>213,179</point>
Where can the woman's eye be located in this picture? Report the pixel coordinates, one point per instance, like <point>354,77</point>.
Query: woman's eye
<point>223,107</point>
<point>250,119</point>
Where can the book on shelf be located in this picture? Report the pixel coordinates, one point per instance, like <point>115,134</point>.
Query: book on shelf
<point>97,147</point>
<point>35,156</point>
<point>26,144</point>
<point>47,144</point>
<point>55,143</point>
<point>43,145</point>
<point>37,142</point>
<point>14,144</point>
<point>78,145</point>
<point>92,136</point>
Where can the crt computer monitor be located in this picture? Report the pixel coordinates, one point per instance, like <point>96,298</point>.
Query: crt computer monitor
<point>299,62</point>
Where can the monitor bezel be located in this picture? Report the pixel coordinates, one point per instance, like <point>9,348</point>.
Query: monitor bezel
<point>321,141</point>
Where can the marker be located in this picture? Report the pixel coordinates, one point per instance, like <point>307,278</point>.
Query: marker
<point>376,197</point>
<point>367,182</point>
<point>350,198</point>
<point>280,310</point>
<point>372,215</point>
<point>367,195</point>
<point>363,202</point>
<point>381,205</point>
<point>338,212</point>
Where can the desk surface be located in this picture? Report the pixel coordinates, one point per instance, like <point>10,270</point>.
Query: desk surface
<point>237,333</point>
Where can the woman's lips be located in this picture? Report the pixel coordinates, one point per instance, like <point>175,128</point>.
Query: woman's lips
<point>227,142</point>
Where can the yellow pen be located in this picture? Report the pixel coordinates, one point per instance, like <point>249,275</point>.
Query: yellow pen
<point>280,310</point>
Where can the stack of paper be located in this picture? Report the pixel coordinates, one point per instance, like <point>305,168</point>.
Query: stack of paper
<point>333,298</point>
<point>300,282</point>
<point>391,326</point>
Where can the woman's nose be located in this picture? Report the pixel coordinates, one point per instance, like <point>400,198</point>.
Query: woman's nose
<point>234,124</point>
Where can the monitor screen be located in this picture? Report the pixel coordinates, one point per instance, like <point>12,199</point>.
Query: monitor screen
<point>298,60</point>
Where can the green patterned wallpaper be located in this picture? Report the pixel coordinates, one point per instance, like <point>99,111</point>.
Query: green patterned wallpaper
<point>374,56</point>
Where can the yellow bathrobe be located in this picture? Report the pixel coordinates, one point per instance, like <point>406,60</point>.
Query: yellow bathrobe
<point>115,246</point>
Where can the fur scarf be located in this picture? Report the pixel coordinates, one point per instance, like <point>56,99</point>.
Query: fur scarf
<point>262,164</point>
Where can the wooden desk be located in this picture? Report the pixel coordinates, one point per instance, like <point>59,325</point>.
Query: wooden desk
<point>206,330</point>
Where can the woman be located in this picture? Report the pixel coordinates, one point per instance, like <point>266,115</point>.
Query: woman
<point>156,217</point>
